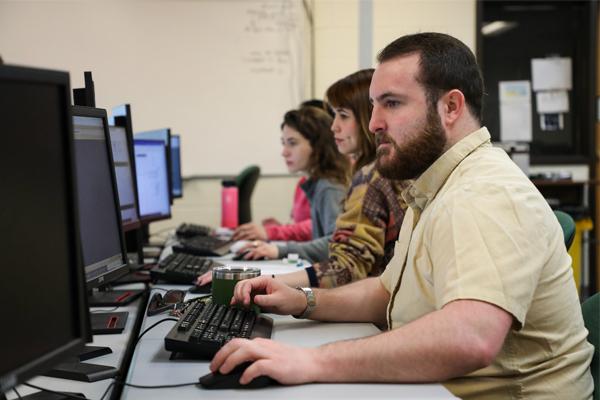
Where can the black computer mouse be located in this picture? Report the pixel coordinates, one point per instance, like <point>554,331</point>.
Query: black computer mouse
<point>204,289</point>
<point>232,380</point>
<point>240,256</point>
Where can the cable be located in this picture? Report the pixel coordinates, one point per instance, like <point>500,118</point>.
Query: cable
<point>150,327</point>
<point>159,386</point>
<point>17,393</point>
<point>52,391</point>
<point>107,390</point>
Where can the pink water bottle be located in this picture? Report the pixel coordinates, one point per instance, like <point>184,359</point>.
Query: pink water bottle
<point>229,205</point>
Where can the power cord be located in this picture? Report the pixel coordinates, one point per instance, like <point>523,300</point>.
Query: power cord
<point>159,386</point>
<point>151,327</point>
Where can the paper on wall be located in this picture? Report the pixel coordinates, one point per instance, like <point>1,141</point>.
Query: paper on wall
<point>551,73</point>
<point>515,111</point>
<point>552,101</point>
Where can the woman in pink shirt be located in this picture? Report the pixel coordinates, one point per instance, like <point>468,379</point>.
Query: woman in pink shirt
<point>300,230</point>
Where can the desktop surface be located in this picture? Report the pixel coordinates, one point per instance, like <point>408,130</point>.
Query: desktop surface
<point>151,364</point>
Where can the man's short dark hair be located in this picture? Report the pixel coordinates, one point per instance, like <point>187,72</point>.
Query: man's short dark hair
<point>446,63</point>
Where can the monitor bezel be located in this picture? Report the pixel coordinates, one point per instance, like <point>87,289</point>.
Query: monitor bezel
<point>126,121</point>
<point>180,195</point>
<point>148,219</point>
<point>168,148</point>
<point>130,225</point>
<point>123,269</point>
<point>44,362</point>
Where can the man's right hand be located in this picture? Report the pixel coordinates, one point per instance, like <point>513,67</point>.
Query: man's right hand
<point>270,295</point>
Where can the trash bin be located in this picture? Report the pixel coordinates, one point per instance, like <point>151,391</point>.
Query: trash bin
<point>581,226</point>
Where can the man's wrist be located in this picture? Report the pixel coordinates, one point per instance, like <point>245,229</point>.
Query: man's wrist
<point>311,302</point>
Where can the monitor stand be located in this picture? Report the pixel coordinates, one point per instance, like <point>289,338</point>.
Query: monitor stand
<point>49,396</point>
<point>75,370</point>
<point>108,323</point>
<point>113,298</point>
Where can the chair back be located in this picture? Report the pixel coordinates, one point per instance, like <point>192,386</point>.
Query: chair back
<point>245,181</point>
<point>591,316</point>
<point>568,226</point>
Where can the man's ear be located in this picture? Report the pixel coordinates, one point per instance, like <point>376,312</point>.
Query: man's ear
<point>453,106</point>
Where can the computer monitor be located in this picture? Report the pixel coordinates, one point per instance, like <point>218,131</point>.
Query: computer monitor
<point>125,179</point>
<point>121,116</point>
<point>177,186</point>
<point>103,247</point>
<point>152,179</point>
<point>165,136</point>
<point>40,238</point>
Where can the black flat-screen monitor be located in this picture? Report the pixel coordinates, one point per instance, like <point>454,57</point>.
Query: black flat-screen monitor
<point>42,289</point>
<point>121,116</point>
<point>177,186</point>
<point>103,247</point>
<point>165,136</point>
<point>125,178</point>
<point>152,179</point>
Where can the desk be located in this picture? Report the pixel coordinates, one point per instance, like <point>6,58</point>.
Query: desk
<point>118,343</point>
<point>150,364</point>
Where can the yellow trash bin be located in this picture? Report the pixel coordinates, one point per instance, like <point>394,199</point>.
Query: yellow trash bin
<point>581,226</point>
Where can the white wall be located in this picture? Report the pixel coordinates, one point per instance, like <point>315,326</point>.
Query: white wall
<point>219,73</point>
<point>336,30</point>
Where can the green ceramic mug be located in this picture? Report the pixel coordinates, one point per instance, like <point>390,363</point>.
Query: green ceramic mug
<point>225,278</point>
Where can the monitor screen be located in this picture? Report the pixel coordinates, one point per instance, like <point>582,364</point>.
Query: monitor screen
<point>152,179</point>
<point>42,281</point>
<point>177,187</point>
<point>104,255</point>
<point>165,136</point>
<point>125,182</point>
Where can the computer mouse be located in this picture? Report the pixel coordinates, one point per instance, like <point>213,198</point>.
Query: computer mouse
<point>204,289</point>
<point>240,256</point>
<point>231,380</point>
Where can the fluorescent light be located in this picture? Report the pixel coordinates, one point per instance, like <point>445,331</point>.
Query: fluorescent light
<point>497,27</point>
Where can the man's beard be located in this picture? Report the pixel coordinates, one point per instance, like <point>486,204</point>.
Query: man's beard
<point>414,156</point>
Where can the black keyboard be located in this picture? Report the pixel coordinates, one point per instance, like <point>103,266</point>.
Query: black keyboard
<point>203,246</point>
<point>205,327</point>
<point>182,268</point>
<point>191,230</point>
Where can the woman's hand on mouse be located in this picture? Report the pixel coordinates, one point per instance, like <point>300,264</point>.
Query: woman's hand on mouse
<point>250,231</point>
<point>258,250</point>
<point>286,364</point>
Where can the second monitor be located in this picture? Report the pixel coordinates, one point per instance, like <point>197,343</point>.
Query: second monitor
<point>103,247</point>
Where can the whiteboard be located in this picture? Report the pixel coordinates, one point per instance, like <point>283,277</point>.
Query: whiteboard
<point>220,73</point>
